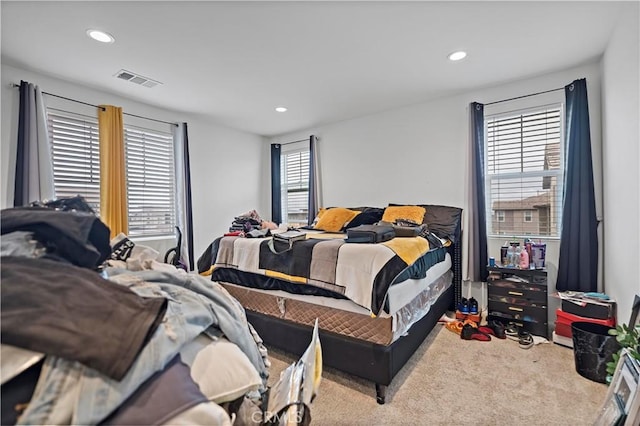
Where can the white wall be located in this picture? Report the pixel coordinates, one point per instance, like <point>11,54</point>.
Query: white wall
<point>225,171</point>
<point>417,154</point>
<point>621,118</point>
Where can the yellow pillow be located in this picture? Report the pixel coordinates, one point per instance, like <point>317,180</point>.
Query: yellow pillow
<point>318,216</point>
<point>332,220</point>
<point>412,213</point>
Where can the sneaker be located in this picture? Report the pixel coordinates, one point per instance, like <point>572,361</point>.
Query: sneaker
<point>473,306</point>
<point>512,332</point>
<point>463,306</point>
<point>470,332</point>
<point>525,340</point>
<point>498,329</point>
<point>455,326</point>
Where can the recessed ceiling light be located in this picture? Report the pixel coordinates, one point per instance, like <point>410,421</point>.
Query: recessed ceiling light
<point>456,56</point>
<point>100,36</point>
<point>281,109</point>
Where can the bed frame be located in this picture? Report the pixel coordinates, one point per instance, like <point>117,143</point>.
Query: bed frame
<point>367,360</point>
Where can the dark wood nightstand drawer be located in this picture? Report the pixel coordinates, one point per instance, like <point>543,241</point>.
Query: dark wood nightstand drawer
<point>518,311</point>
<point>537,328</point>
<point>530,293</point>
<point>536,276</point>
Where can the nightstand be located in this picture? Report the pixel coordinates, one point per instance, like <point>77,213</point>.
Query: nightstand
<point>519,296</point>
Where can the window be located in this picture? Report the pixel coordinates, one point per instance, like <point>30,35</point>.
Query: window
<point>294,174</point>
<point>524,169</point>
<point>149,167</point>
<point>150,182</point>
<point>76,155</point>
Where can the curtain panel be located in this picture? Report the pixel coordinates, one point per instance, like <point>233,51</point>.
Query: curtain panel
<point>34,162</point>
<point>276,185</point>
<point>578,261</point>
<point>184,213</point>
<point>313,180</point>
<point>113,177</point>
<point>476,225</point>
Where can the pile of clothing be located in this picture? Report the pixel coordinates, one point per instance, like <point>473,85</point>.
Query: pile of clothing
<point>85,343</point>
<point>246,222</point>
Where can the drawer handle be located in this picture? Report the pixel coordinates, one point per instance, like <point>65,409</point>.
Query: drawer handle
<point>511,308</point>
<point>516,293</point>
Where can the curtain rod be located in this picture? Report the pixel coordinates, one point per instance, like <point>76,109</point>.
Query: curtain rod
<point>524,96</point>
<point>301,140</point>
<point>102,108</point>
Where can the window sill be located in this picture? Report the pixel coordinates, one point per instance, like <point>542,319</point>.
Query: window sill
<point>142,239</point>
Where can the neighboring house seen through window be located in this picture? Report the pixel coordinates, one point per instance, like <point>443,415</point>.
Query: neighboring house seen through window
<point>528,215</point>
<point>524,170</point>
<point>149,163</point>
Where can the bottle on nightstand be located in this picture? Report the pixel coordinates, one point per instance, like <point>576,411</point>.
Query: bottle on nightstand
<point>524,259</point>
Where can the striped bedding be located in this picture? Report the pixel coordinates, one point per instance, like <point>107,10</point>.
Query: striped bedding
<point>362,273</point>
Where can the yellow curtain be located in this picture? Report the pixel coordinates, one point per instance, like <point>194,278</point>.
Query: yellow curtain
<point>113,184</point>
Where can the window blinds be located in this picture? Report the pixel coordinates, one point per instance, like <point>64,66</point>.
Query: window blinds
<point>76,156</point>
<point>150,182</point>
<point>524,169</point>
<point>295,186</point>
<point>149,163</point>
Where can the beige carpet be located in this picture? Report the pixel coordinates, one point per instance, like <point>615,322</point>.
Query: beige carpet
<point>458,382</point>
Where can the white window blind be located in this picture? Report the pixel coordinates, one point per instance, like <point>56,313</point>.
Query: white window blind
<point>149,163</point>
<point>150,182</point>
<point>76,155</point>
<point>295,186</point>
<point>524,169</point>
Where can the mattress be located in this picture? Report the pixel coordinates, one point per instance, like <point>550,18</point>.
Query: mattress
<point>362,273</point>
<point>343,316</point>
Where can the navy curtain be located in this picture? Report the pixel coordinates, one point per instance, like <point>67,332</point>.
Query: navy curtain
<point>578,263</point>
<point>276,193</point>
<point>188,203</point>
<point>477,225</point>
<point>313,180</point>
<point>184,214</point>
<point>34,165</point>
<point>20,197</point>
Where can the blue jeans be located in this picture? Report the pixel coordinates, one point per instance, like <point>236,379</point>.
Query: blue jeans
<point>194,305</point>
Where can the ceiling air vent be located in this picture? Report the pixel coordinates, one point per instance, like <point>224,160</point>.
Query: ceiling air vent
<point>136,78</point>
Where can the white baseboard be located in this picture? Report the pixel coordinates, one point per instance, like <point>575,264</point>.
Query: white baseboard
<point>562,340</point>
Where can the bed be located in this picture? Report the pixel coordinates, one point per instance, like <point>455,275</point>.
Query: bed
<point>375,302</point>
<point>93,336</point>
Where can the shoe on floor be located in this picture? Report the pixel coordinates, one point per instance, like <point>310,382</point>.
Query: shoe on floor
<point>455,326</point>
<point>526,340</point>
<point>463,306</point>
<point>511,331</point>
<point>473,306</point>
<point>486,330</point>
<point>498,329</point>
<point>470,322</point>
<point>470,332</point>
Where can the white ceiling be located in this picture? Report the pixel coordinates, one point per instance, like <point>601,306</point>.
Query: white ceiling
<point>234,62</point>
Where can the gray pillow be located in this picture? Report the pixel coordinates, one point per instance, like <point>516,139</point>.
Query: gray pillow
<point>444,221</point>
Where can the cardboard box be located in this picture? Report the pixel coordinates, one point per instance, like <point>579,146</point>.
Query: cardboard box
<point>590,309</point>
